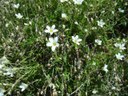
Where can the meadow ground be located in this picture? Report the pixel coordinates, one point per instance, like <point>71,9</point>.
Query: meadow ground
<point>63,48</point>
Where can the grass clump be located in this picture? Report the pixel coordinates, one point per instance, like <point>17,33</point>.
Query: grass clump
<point>63,48</point>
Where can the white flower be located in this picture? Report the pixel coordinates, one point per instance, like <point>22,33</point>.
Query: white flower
<point>2,92</point>
<point>121,46</point>
<point>23,86</point>
<point>16,5</point>
<point>101,23</point>
<point>4,60</point>
<point>30,22</point>
<point>119,56</point>
<point>7,24</point>
<point>50,30</point>
<point>1,66</point>
<point>53,43</point>
<point>105,68</point>
<point>63,26</point>
<point>26,24</point>
<point>117,44</point>
<point>63,0</point>
<point>121,10</point>
<point>113,12</point>
<point>19,16</point>
<point>79,2</point>
<point>52,85</point>
<point>76,23</point>
<point>103,11</point>
<point>124,40</point>
<point>17,27</point>
<point>9,72</point>
<point>94,91</point>
<point>113,87</point>
<point>99,42</point>
<point>76,39</point>
<point>86,30</point>
<point>63,15</point>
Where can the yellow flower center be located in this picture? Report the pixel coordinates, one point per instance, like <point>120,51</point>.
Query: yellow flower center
<point>54,43</point>
<point>51,30</point>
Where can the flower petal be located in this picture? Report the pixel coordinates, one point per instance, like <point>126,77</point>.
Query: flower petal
<point>51,39</point>
<point>55,30</point>
<point>56,39</point>
<point>46,31</point>
<point>48,27</point>
<point>49,44</point>
<point>53,48</point>
<point>53,27</point>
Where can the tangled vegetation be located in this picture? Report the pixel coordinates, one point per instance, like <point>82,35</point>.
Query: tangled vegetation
<point>63,48</point>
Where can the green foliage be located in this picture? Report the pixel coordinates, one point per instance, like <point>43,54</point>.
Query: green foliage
<point>72,69</point>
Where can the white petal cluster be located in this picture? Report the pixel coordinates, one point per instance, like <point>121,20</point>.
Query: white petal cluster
<point>121,46</point>
<point>120,10</point>
<point>19,16</point>
<point>2,92</point>
<point>4,60</point>
<point>23,86</point>
<point>16,6</point>
<point>64,16</point>
<point>51,30</point>
<point>9,72</point>
<point>76,39</point>
<point>119,56</point>
<point>100,23</point>
<point>105,68</point>
<point>94,91</point>
<point>99,42</point>
<point>63,1</point>
<point>53,43</point>
<point>78,2</point>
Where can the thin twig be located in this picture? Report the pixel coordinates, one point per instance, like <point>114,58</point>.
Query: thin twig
<point>77,89</point>
<point>17,81</point>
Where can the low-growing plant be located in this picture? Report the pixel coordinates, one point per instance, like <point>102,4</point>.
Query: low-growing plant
<point>63,48</point>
